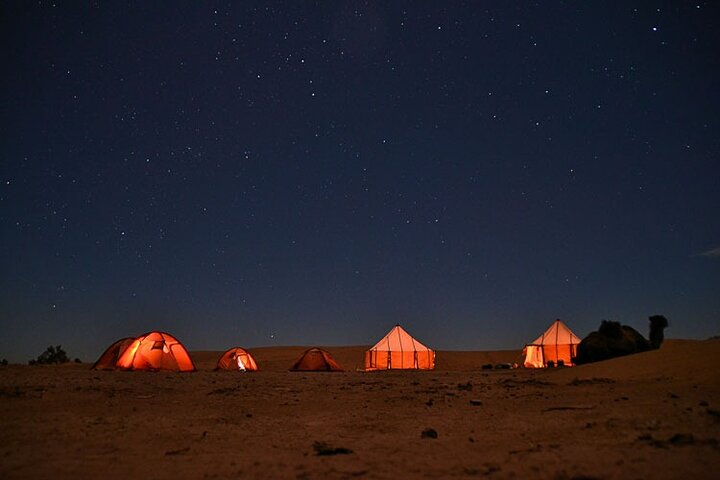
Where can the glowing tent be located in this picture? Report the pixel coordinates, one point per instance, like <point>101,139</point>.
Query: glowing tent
<point>110,357</point>
<point>237,359</point>
<point>398,350</point>
<point>558,345</point>
<point>156,351</point>
<point>316,360</point>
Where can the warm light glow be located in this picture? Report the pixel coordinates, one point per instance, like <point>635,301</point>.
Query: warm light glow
<point>237,359</point>
<point>557,344</point>
<point>144,354</point>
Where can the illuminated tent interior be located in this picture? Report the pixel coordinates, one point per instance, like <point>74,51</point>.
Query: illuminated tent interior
<point>316,360</point>
<point>557,345</point>
<point>110,357</point>
<point>237,359</point>
<point>156,351</point>
<point>399,350</point>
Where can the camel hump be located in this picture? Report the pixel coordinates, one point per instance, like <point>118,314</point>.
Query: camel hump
<point>609,328</point>
<point>635,338</point>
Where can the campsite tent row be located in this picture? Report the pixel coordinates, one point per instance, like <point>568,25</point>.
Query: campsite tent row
<point>162,351</point>
<point>396,350</point>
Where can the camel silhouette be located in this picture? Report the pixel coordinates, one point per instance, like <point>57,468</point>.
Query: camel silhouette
<point>614,340</point>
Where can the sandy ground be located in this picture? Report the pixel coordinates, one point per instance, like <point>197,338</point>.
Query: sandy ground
<point>653,415</point>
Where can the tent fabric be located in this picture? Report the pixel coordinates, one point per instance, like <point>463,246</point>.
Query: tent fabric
<point>316,360</point>
<point>156,351</point>
<point>237,359</point>
<point>111,355</point>
<point>399,350</point>
<point>558,343</point>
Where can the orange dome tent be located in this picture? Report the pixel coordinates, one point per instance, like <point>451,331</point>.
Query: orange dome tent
<point>237,359</point>
<point>316,360</point>
<point>110,356</point>
<point>557,344</point>
<point>398,350</point>
<point>156,351</point>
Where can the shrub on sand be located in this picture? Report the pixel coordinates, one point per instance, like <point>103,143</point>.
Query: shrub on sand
<point>53,355</point>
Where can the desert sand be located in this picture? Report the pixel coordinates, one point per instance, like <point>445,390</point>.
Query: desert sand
<point>651,415</point>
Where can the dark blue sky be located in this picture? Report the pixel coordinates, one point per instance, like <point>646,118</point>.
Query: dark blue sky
<point>282,173</point>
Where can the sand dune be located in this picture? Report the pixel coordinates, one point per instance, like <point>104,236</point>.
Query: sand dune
<point>653,415</point>
<point>681,361</point>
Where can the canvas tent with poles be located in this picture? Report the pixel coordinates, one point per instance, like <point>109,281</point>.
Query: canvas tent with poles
<point>557,345</point>
<point>237,359</point>
<point>399,350</point>
<point>156,351</point>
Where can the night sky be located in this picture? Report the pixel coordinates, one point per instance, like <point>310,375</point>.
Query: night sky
<point>300,173</point>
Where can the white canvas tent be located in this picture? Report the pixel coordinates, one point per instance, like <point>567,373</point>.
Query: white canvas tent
<point>557,345</point>
<point>399,350</point>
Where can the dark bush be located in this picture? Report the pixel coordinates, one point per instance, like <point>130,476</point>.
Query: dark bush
<point>52,355</point>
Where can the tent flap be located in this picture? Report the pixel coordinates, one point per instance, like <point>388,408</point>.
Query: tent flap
<point>238,359</point>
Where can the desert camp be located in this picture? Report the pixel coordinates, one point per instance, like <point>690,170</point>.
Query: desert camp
<point>335,422</point>
<point>313,240</point>
<point>338,424</point>
<point>557,346</point>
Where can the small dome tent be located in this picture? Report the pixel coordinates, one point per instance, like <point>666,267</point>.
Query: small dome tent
<point>110,356</point>
<point>557,344</point>
<point>316,360</point>
<point>156,351</point>
<point>237,359</point>
<point>399,350</point>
